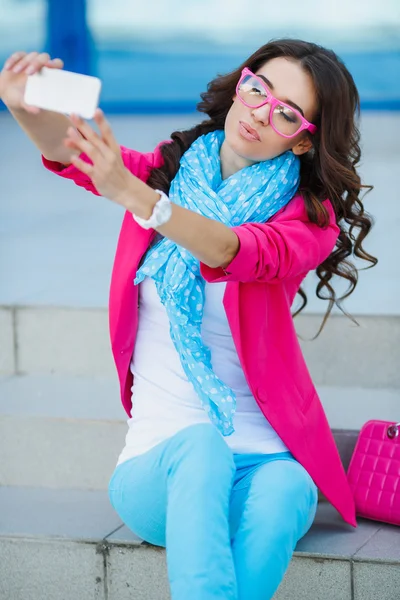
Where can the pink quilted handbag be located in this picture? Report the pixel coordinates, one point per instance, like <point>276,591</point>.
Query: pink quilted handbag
<point>374,472</point>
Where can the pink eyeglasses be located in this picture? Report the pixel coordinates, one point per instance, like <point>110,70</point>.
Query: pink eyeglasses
<point>284,119</point>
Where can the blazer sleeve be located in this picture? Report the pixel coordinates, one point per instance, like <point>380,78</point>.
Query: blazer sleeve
<point>287,246</point>
<point>137,163</point>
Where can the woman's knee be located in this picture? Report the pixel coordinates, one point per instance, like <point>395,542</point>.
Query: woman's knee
<point>139,500</point>
<point>286,490</point>
<point>286,477</point>
<point>203,447</point>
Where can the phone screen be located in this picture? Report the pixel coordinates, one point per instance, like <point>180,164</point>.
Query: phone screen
<point>64,92</point>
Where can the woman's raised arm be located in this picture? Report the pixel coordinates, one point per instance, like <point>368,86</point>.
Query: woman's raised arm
<point>46,129</point>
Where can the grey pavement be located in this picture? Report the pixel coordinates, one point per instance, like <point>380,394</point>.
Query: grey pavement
<point>70,544</point>
<point>57,242</point>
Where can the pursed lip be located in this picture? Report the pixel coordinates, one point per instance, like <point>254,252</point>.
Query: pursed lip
<point>250,130</point>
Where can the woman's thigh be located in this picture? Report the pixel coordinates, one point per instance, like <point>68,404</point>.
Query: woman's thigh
<point>194,460</point>
<point>274,488</point>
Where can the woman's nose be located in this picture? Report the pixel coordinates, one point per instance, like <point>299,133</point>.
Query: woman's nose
<point>262,113</point>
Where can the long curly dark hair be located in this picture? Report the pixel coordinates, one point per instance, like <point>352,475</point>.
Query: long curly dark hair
<point>328,170</point>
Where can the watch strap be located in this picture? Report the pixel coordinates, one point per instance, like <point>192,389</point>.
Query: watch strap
<point>161,213</point>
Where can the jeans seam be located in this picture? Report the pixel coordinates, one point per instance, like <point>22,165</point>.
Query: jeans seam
<point>312,509</point>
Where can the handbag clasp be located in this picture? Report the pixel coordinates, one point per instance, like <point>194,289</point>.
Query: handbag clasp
<point>393,431</point>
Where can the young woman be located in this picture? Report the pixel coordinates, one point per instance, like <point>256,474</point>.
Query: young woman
<point>227,440</point>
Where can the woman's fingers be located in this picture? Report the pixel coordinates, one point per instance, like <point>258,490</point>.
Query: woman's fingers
<point>44,60</point>
<point>14,58</point>
<point>22,60</point>
<point>36,64</point>
<point>25,62</point>
<point>103,152</point>
<point>73,134</point>
<point>90,135</point>
<point>32,63</point>
<point>74,141</point>
<point>82,165</point>
<point>55,63</point>
<point>106,131</point>
<point>79,143</point>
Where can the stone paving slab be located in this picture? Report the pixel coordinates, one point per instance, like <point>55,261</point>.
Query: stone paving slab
<point>79,515</point>
<point>72,545</point>
<point>331,537</point>
<point>137,573</point>
<point>383,546</point>
<point>45,569</point>
<point>88,515</point>
<point>376,581</point>
<point>309,579</point>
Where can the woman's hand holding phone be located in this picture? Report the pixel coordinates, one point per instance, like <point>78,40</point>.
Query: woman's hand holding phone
<point>15,74</point>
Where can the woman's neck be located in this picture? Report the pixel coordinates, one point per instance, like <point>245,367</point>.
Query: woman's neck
<point>231,162</point>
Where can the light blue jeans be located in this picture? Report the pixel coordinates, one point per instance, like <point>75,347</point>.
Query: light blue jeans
<point>229,522</point>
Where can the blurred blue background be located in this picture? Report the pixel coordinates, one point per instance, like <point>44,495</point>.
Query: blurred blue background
<point>157,56</point>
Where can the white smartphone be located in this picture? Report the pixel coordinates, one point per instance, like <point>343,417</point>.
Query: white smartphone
<point>64,92</point>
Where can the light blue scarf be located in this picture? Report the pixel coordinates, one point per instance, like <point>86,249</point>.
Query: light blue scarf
<point>253,194</point>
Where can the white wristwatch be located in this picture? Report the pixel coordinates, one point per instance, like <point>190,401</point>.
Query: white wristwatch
<point>162,212</point>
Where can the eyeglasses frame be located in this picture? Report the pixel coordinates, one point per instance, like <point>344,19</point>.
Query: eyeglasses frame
<point>270,99</point>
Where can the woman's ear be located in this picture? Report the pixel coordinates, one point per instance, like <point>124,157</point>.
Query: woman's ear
<point>303,146</point>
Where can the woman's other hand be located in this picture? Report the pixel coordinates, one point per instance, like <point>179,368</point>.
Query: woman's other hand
<point>107,171</point>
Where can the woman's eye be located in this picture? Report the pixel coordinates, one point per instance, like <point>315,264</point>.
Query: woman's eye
<point>288,115</point>
<point>255,90</point>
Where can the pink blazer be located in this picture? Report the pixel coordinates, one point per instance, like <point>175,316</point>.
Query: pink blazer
<point>262,282</point>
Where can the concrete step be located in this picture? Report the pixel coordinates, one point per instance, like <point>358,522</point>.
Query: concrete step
<point>75,341</point>
<point>60,431</point>
<point>70,544</point>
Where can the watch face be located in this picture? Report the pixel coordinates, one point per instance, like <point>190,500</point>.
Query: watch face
<point>162,211</point>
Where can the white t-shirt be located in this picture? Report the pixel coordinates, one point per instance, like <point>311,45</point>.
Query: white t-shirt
<point>163,399</point>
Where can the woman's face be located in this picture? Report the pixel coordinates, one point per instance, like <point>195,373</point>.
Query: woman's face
<point>289,83</point>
